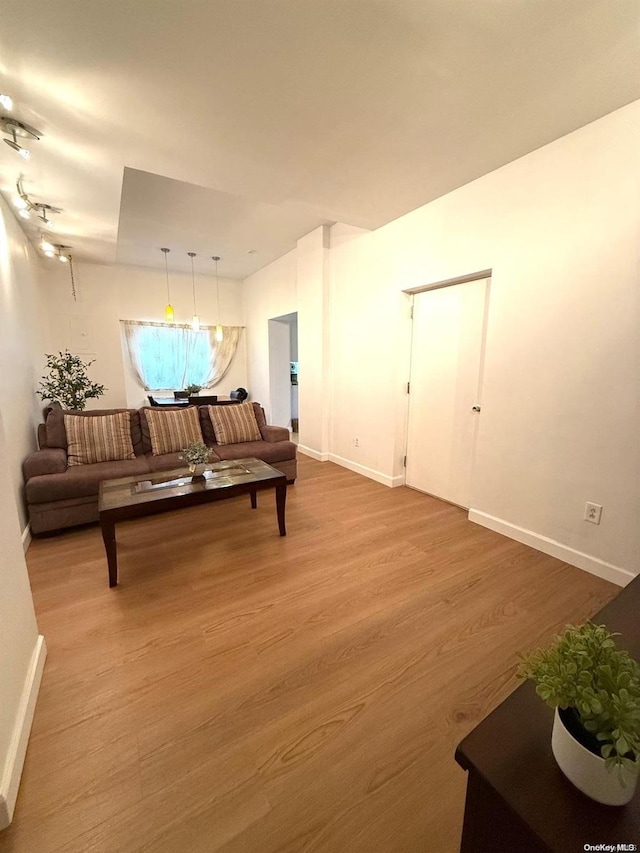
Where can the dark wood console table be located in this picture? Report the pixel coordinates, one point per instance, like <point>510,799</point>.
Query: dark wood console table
<point>518,800</point>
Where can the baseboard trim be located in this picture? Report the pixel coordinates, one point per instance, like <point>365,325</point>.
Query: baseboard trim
<point>595,566</point>
<point>314,454</point>
<point>26,537</point>
<point>371,473</point>
<point>18,747</point>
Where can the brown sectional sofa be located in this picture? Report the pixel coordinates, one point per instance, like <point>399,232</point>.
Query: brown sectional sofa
<point>59,496</point>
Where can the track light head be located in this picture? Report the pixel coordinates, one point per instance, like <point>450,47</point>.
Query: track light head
<point>18,129</point>
<point>60,253</point>
<point>43,215</point>
<point>23,152</point>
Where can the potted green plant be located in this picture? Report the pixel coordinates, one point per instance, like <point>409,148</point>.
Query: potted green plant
<point>595,689</point>
<point>196,455</point>
<point>67,381</point>
<point>193,389</point>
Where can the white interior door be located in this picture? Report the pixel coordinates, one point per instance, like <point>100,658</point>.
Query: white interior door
<point>446,359</point>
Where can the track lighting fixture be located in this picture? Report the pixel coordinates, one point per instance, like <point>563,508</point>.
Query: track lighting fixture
<point>168,311</point>
<point>195,322</point>
<point>61,253</point>
<point>13,143</point>
<point>24,205</point>
<point>18,129</point>
<point>219,334</point>
<point>6,101</point>
<point>48,248</point>
<point>43,215</point>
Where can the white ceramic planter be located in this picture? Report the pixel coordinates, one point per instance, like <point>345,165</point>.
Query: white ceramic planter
<point>588,772</point>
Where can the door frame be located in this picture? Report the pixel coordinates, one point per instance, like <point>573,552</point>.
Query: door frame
<point>436,285</point>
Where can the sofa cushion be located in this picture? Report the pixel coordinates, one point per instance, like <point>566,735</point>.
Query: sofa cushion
<point>105,438</point>
<point>267,451</point>
<point>81,480</point>
<point>56,435</point>
<point>234,424</point>
<point>207,426</point>
<point>144,423</point>
<point>172,429</point>
<point>260,416</point>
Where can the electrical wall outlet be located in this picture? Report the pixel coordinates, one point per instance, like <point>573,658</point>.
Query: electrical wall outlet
<point>593,513</point>
<point>356,441</point>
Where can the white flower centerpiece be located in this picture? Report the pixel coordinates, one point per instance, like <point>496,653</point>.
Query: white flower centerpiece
<point>196,456</point>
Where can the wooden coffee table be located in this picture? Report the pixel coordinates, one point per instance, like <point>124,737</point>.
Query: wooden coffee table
<point>141,495</point>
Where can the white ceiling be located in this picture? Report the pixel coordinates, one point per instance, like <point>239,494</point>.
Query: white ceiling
<point>220,126</point>
<point>246,234</point>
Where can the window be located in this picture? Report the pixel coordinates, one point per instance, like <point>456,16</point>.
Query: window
<point>170,356</point>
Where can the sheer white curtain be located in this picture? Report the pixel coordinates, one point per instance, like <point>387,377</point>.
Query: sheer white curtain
<point>172,355</point>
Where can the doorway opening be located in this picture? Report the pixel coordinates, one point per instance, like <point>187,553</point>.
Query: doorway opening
<point>283,371</point>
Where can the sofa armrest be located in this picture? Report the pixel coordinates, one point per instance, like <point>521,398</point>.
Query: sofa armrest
<point>274,433</point>
<point>53,460</point>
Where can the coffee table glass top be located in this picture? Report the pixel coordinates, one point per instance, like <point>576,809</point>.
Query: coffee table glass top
<point>143,488</point>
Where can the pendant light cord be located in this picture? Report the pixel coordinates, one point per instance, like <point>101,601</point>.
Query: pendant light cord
<point>73,280</point>
<point>193,283</point>
<point>166,270</point>
<point>217,295</point>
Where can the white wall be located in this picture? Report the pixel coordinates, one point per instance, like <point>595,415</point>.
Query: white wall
<point>22,652</point>
<point>21,348</point>
<point>559,228</point>
<point>561,399</point>
<point>297,282</point>
<point>269,293</point>
<point>108,294</point>
<point>312,278</point>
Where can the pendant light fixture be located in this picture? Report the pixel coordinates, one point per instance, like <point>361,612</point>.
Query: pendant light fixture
<point>195,322</point>
<point>219,334</point>
<point>168,311</point>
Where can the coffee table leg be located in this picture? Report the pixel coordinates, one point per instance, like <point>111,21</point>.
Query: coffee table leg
<point>109,539</point>
<point>281,500</point>
<point>254,499</point>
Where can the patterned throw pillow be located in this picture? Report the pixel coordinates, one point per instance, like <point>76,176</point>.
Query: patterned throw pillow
<point>173,430</point>
<point>103,438</point>
<point>233,424</point>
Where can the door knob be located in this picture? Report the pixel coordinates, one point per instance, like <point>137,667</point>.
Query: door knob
<point>476,408</point>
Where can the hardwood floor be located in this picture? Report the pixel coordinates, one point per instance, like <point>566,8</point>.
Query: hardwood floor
<point>246,693</point>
